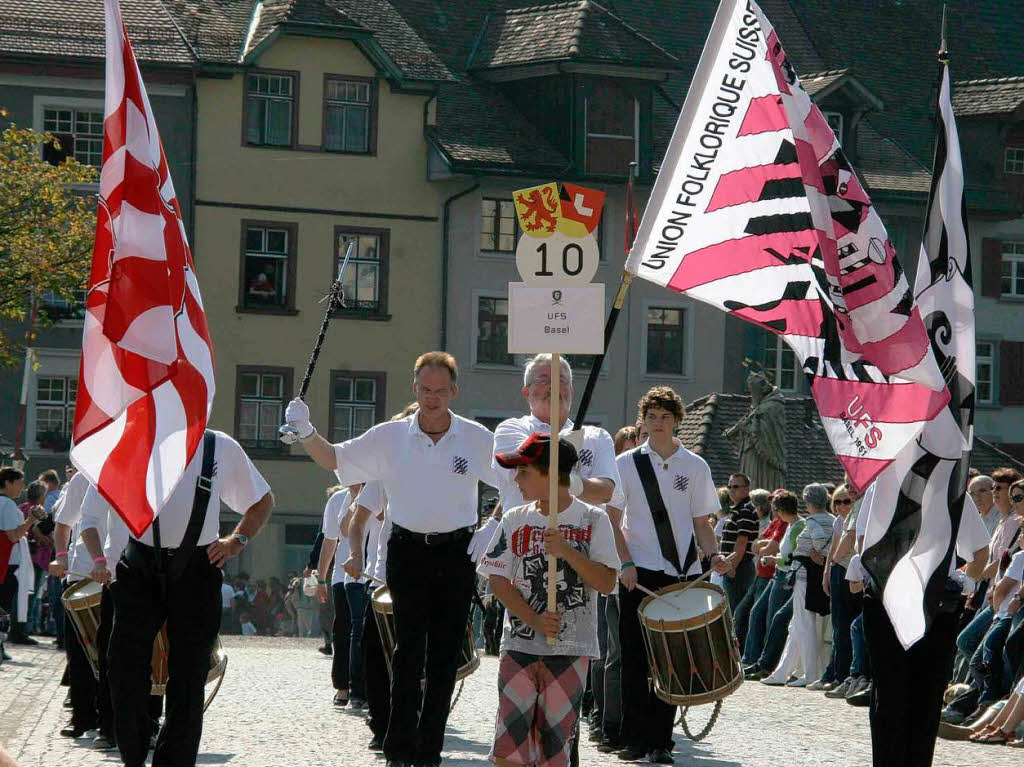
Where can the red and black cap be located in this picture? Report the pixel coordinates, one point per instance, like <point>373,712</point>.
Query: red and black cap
<point>537,449</point>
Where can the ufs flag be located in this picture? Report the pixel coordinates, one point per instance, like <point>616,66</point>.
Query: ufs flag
<point>146,381</point>
<point>919,500</point>
<point>757,211</point>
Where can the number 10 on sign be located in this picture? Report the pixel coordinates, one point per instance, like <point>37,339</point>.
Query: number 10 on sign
<point>557,260</point>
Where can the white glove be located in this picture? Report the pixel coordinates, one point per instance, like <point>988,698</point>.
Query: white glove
<point>575,483</point>
<point>480,540</point>
<point>297,414</point>
<point>966,582</point>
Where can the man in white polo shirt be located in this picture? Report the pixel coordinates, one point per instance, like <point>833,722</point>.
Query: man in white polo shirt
<point>657,547</point>
<point>430,464</point>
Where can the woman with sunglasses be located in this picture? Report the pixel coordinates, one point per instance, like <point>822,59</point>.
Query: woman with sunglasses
<point>845,605</point>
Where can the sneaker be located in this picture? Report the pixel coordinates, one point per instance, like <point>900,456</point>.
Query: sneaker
<point>357,704</point>
<point>839,691</point>
<point>103,743</point>
<point>856,686</point>
<point>798,682</point>
<point>754,673</point>
<point>829,686</point>
<point>952,716</point>
<point>817,686</point>
<point>862,698</point>
<point>772,681</point>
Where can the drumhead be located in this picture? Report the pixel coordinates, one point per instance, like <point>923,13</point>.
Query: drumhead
<point>86,591</point>
<point>682,605</point>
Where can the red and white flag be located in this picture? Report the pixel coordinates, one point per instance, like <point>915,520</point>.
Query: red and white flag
<point>757,211</point>
<point>146,382</point>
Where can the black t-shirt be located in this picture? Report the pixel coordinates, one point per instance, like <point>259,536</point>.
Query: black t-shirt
<point>742,522</point>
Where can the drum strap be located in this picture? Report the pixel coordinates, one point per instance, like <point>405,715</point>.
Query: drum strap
<point>659,513</point>
<point>200,503</point>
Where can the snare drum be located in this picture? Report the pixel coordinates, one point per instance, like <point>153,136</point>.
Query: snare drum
<point>82,600</point>
<point>692,651</point>
<point>383,611</point>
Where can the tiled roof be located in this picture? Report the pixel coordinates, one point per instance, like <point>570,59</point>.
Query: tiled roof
<point>819,81</point>
<point>988,97</point>
<point>469,134</point>
<point>986,458</point>
<point>887,165</point>
<point>272,14</point>
<point>809,456</point>
<point>75,30</point>
<point>581,30</point>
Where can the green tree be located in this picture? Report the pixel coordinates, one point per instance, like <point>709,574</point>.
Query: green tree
<point>47,226</point>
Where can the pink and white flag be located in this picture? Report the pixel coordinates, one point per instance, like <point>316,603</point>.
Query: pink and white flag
<point>146,381</point>
<point>757,211</point>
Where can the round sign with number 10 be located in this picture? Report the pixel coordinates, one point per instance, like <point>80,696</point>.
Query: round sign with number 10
<point>557,260</point>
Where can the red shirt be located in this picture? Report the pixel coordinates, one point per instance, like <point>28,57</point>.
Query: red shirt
<point>775,531</point>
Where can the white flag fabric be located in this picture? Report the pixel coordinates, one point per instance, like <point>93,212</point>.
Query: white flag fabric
<point>146,382</point>
<point>757,211</point>
<point>911,533</point>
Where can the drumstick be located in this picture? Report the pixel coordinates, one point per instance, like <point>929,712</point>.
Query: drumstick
<point>659,597</point>
<point>686,585</point>
<point>373,578</point>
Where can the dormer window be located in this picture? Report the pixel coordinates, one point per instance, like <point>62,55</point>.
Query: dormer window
<point>613,128</point>
<point>835,122</point>
<point>1013,160</point>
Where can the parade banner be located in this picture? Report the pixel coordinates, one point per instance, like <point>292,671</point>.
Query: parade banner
<point>146,380</point>
<point>757,211</point>
<point>919,500</point>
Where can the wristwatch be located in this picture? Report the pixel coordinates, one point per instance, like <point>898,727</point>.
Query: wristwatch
<point>241,538</point>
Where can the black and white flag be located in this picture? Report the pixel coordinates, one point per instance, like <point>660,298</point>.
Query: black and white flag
<point>919,500</point>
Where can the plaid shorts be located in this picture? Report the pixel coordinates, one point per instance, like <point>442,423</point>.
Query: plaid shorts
<point>538,704</point>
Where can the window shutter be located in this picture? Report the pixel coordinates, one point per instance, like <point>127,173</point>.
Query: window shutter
<point>991,267</point>
<point>1011,373</point>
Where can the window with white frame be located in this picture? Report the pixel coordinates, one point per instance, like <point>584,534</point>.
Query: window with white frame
<point>780,363</point>
<point>498,226</point>
<point>58,308</point>
<point>269,109</point>
<point>365,278</point>
<point>666,340</point>
<point>79,132</point>
<point>55,411</point>
<point>492,331</point>
<point>612,126</point>
<point>261,399</point>
<point>348,115</point>
<point>835,122</point>
<point>984,372</point>
<point>1013,160</point>
<point>1013,269</point>
<point>357,403</point>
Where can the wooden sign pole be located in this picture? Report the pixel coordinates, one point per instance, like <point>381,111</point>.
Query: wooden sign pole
<point>555,418</point>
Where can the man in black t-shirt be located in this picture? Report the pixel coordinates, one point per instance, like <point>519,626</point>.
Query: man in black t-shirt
<point>739,534</point>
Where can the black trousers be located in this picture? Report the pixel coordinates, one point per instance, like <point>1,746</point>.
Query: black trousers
<point>907,687</point>
<point>341,630</point>
<point>375,674</point>
<point>8,592</point>
<point>430,591</point>
<point>646,719</point>
<point>81,680</point>
<point>191,607</point>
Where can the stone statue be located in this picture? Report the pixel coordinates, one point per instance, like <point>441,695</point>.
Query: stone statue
<point>761,435</point>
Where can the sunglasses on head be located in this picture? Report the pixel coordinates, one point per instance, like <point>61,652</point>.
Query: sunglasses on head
<point>1017,498</point>
<point>843,501</point>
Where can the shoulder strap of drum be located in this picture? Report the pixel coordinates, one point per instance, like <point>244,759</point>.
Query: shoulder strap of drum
<point>200,503</point>
<point>659,513</point>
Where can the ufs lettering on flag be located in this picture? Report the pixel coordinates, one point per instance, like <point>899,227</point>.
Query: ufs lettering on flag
<point>146,379</point>
<point>757,211</point>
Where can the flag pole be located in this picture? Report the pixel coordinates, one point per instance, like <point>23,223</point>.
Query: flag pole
<point>555,418</point>
<point>613,315</point>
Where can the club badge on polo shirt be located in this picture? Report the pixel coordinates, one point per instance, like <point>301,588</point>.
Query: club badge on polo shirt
<point>586,457</point>
<point>460,465</point>
<point>681,483</point>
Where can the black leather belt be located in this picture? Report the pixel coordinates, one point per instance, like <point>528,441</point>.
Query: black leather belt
<point>138,553</point>
<point>433,539</point>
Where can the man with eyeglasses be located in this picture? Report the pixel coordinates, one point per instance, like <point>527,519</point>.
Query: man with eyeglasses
<point>738,536</point>
<point>980,490</point>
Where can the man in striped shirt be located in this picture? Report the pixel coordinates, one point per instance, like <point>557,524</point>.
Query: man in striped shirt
<point>739,534</point>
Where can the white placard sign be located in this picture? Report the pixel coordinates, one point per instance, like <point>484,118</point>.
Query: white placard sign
<point>557,260</point>
<point>568,319</point>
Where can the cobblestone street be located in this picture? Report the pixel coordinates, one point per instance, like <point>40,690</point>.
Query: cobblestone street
<point>274,710</point>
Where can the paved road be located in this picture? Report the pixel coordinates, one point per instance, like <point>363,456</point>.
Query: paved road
<point>275,710</point>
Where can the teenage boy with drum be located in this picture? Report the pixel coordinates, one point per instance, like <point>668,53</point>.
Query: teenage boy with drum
<point>545,655</point>
<point>661,515</point>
